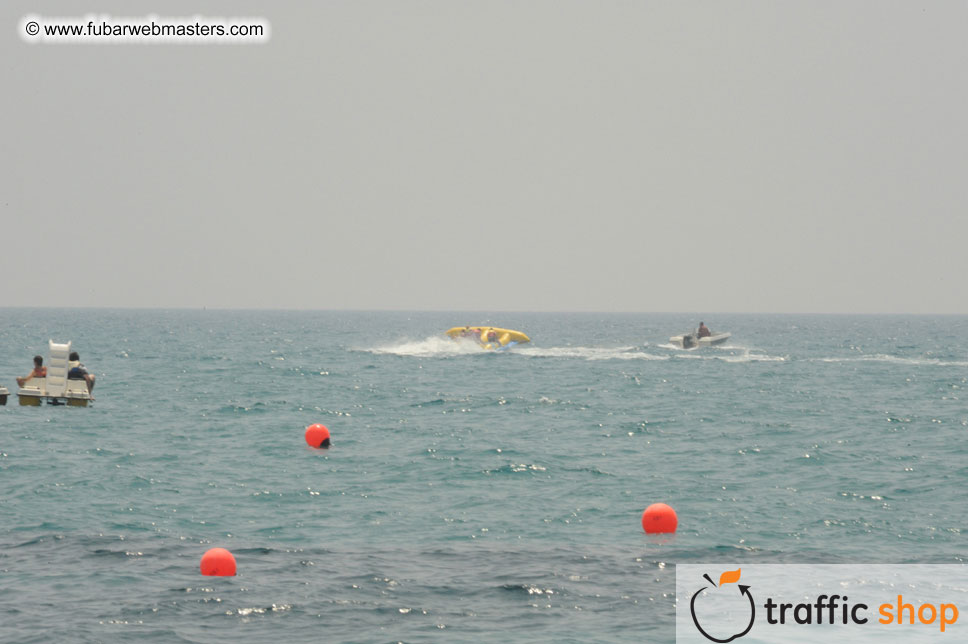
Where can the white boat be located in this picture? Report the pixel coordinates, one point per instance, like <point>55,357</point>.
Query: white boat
<point>691,340</point>
<point>56,388</point>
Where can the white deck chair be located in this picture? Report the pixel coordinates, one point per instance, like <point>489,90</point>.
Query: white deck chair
<point>57,368</point>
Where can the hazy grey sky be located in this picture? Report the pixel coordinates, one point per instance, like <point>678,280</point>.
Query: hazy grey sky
<point>486,155</point>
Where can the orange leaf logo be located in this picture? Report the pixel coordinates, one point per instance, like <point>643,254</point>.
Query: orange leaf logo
<point>729,577</point>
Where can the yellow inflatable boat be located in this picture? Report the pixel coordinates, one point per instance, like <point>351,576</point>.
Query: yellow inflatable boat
<point>489,337</point>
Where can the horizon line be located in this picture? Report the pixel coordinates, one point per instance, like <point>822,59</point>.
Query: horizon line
<point>460,311</point>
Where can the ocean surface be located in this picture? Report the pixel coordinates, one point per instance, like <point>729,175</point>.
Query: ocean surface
<point>468,496</point>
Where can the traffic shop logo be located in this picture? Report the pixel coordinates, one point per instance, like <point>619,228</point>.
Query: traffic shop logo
<point>726,611</point>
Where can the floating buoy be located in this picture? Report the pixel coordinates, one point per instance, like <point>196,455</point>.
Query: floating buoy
<point>317,435</point>
<point>659,518</point>
<point>218,562</point>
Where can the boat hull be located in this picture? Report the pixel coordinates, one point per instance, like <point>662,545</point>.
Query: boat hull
<point>34,400</point>
<point>713,340</point>
<point>690,341</point>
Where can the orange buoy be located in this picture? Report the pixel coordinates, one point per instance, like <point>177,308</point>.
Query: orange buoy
<point>218,562</point>
<point>317,435</point>
<point>659,518</point>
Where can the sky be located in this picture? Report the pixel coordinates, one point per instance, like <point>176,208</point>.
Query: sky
<point>549,155</point>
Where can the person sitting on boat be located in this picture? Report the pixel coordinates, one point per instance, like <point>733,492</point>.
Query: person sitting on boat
<point>40,371</point>
<point>704,331</point>
<point>76,371</point>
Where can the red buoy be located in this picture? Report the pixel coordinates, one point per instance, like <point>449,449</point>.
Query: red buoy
<point>218,562</point>
<point>659,518</point>
<point>317,435</point>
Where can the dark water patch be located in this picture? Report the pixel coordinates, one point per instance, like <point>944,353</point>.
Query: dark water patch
<point>430,403</point>
<point>103,553</point>
<point>247,408</point>
<point>43,539</point>
<point>594,471</point>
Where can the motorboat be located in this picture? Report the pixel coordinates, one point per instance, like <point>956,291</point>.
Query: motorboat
<point>56,388</point>
<point>489,337</point>
<point>692,340</point>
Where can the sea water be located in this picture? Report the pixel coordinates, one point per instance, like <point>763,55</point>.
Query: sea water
<point>468,495</point>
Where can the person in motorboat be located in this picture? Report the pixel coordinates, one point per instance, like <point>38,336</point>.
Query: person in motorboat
<point>703,331</point>
<point>76,371</point>
<point>40,371</point>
